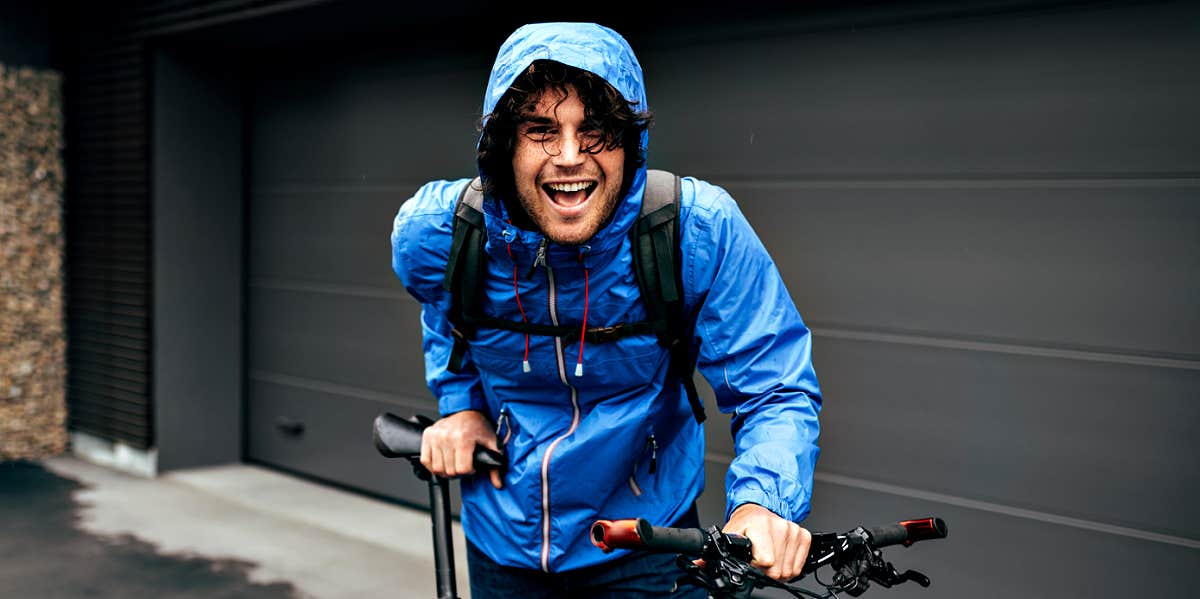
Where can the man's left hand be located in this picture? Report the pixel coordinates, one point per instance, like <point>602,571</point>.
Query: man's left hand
<point>780,546</point>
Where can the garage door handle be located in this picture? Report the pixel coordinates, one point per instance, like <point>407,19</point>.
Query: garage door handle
<point>289,427</point>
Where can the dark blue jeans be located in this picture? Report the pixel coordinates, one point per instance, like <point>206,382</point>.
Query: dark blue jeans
<point>635,575</point>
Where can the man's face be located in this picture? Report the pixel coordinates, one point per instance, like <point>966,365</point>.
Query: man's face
<point>568,191</point>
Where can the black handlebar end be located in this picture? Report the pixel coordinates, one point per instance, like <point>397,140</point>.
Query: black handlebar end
<point>688,541</point>
<point>908,532</point>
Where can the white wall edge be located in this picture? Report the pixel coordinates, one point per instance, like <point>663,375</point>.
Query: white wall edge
<point>115,455</point>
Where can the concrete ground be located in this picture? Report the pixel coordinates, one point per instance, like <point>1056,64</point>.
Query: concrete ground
<point>69,528</point>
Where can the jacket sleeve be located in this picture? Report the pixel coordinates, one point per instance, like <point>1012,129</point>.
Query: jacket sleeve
<point>421,236</point>
<point>756,352</point>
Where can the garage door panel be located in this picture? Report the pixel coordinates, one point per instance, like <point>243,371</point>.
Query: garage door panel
<point>1080,438</point>
<point>987,553</point>
<point>1109,267</point>
<point>954,98</point>
<point>338,236</point>
<point>335,443</point>
<point>365,125</point>
<point>362,342</point>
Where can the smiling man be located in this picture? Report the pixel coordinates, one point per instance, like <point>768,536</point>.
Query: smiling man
<point>567,180</point>
<point>557,215</point>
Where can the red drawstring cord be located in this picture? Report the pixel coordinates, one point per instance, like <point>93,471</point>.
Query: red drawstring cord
<point>517,293</point>
<point>583,333</point>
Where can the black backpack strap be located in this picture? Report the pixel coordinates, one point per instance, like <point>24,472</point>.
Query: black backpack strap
<point>657,264</point>
<point>465,269</point>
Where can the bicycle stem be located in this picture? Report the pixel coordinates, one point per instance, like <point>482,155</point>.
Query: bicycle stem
<point>443,542</point>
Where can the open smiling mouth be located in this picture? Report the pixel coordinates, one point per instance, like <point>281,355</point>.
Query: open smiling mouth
<point>569,195</point>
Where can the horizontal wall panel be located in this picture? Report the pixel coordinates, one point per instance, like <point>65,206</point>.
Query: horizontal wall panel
<point>1076,438</point>
<point>362,342</point>
<point>1096,92</point>
<point>996,555</point>
<point>988,553</point>
<point>336,443</point>
<point>361,126</point>
<point>339,236</point>
<point>1109,266</point>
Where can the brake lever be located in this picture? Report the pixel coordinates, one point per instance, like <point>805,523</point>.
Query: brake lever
<point>885,574</point>
<point>916,577</point>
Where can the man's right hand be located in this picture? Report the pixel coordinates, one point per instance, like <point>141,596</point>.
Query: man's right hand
<point>448,445</point>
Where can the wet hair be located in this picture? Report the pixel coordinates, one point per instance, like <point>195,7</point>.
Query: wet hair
<point>619,122</point>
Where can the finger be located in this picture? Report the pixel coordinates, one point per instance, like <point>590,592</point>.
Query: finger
<point>497,479</point>
<point>437,456</point>
<point>426,451</point>
<point>778,542</point>
<point>464,455</point>
<point>801,555</point>
<point>448,461</point>
<point>787,564</point>
<point>763,552</point>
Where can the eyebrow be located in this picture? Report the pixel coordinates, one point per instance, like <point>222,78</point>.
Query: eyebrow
<point>536,120</point>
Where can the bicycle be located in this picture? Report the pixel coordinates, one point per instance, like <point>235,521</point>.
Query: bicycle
<point>709,558</point>
<point>722,560</point>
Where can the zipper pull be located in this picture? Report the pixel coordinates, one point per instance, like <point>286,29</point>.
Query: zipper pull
<point>500,420</point>
<point>500,424</point>
<point>540,260</point>
<point>653,453</point>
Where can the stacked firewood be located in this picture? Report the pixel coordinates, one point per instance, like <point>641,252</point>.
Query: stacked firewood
<point>32,336</point>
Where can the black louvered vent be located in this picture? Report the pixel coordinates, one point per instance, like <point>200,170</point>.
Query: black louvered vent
<point>108,236</point>
<point>108,216</point>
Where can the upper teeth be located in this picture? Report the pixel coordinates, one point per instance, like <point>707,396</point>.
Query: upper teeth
<point>568,186</point>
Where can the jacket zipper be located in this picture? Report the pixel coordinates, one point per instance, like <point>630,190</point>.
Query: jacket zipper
<point>562,376</point>
<point>504,423</point>
<point>652,445</point>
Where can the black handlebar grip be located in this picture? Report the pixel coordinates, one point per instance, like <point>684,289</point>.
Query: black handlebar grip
<point>688,541</point>
<point>907,532</point>
<point>397,437</point>
<point>491,460</point>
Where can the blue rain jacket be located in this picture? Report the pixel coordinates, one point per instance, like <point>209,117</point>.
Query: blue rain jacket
<point>619,441</point>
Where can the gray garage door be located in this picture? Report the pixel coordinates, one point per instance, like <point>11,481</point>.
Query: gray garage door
<point>991,224</point>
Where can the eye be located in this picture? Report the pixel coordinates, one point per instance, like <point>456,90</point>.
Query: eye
<point>540,133</point>
<point>591,138</point>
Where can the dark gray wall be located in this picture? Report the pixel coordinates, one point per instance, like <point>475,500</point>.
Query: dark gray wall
<point>198,260</point>
<point>25,34</point>
<point>989,222</point>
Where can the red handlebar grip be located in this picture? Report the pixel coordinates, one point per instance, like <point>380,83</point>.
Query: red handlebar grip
<point>924,529</point>
<point>616,534</point>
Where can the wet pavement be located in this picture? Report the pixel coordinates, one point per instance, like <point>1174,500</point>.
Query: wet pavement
<point>70,529</point>
<point>44,554</point>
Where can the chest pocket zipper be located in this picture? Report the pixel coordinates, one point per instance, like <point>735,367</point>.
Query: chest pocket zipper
<point>504,426</point>
<point>651,446</point>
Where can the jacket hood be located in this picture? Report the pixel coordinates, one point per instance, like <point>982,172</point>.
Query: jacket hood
<point>586,46</point>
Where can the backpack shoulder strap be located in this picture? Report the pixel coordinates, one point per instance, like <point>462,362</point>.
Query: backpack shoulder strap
<point>465,268</point>
<point>658,267</point>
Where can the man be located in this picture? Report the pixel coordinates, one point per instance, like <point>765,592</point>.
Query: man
<point>600,430</point>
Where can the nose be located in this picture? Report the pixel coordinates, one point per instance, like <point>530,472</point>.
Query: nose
<point>570,152</point>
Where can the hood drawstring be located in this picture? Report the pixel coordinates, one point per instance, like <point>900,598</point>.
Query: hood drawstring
<point>517,293</point>
<point>583,332</point>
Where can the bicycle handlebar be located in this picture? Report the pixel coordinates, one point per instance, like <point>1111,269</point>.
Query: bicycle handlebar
<point>397,437</point>
<point>726,571</point>
<point>640,534</point>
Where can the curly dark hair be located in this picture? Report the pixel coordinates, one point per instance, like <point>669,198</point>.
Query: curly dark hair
<point>617,119</point>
